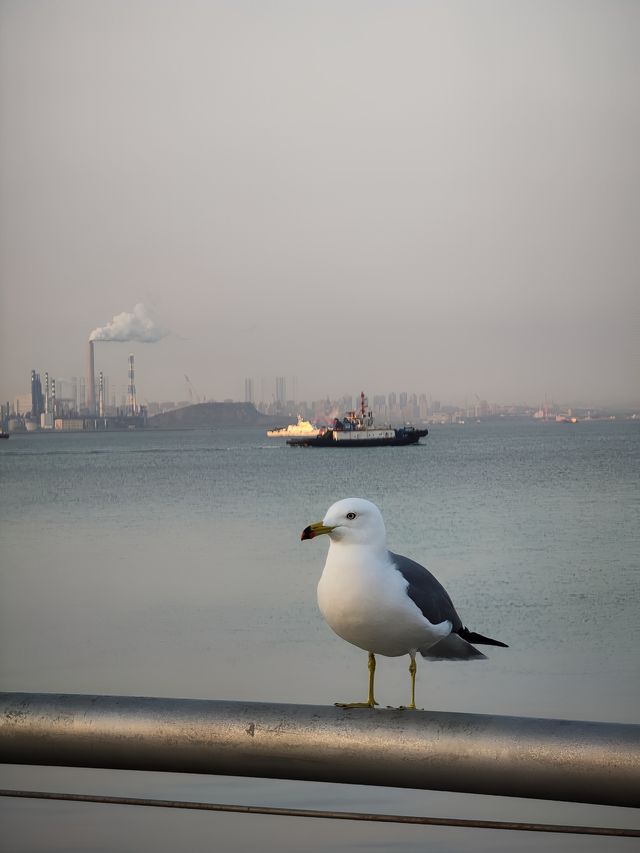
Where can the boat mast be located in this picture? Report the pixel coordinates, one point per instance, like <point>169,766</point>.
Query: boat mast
<point>366,418</point>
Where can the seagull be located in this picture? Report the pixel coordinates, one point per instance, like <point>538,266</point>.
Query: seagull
<point>383,602</point>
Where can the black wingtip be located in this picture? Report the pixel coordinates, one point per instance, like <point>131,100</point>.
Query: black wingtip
<point>472,637</point>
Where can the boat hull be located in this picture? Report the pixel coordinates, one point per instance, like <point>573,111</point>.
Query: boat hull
<point>329,439</point>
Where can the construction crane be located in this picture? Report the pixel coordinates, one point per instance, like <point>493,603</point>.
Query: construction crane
<point>192,391</point>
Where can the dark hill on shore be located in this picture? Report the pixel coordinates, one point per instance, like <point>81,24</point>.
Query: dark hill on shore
<point>213,415</point>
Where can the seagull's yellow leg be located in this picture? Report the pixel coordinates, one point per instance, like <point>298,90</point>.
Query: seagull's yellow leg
<point>371,702</point>
<point>412,672</point>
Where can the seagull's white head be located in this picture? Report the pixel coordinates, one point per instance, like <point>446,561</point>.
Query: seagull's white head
<point>352,521</point>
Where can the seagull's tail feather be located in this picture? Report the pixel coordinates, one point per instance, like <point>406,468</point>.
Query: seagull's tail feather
<point>472,637</point>
<point>452,648</point>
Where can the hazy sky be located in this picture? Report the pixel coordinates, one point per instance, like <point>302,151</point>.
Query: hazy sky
<point>379,194</point>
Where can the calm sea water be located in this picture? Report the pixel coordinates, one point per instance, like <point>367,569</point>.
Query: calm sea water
<point>170,564</point>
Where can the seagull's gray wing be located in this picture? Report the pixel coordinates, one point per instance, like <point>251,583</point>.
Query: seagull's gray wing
<point>431,597</point>
<point>427,592</point>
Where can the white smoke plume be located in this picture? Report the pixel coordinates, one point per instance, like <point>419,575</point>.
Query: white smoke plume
<point>136,326</point>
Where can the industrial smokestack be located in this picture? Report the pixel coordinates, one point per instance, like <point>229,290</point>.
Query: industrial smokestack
<point>91,381</point>
<point>132,403</point>
<point>128,326</point>
<point>101,396</point>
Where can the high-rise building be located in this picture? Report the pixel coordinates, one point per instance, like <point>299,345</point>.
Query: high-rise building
<point>380,405</point>
<point>37,400</point>
<point>423,406</point>
<point>412,404</point>
<point>248,390</point>
<point>281,390</point>
<point>345,404</point>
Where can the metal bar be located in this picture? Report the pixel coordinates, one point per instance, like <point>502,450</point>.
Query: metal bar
<point>507,756</point>
<point>415,820</point>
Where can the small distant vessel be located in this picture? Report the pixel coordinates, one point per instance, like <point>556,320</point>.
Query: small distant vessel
<point>302,428</point>
<point>5,434</point>
<point>357,429</point>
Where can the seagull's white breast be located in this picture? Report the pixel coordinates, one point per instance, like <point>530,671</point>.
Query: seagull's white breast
<point>363,598</point>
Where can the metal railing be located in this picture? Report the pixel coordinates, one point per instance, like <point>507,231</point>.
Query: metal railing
<point>325,814</point>
<point>545,759</point>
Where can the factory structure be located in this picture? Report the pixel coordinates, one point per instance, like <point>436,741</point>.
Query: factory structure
<point>79,403</point>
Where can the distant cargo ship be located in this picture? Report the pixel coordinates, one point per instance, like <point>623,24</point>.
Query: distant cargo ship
<point>302,428</point>
<point>357,429</point>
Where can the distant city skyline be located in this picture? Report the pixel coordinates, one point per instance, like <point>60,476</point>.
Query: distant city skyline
<point>72,393</point>
<point>112,359</point>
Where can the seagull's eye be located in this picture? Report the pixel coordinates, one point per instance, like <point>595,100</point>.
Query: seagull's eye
<point>351,515</point>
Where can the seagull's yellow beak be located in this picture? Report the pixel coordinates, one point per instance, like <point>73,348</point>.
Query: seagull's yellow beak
<point>313,530</point>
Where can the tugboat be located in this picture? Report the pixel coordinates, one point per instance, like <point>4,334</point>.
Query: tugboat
<point>357,429</point>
